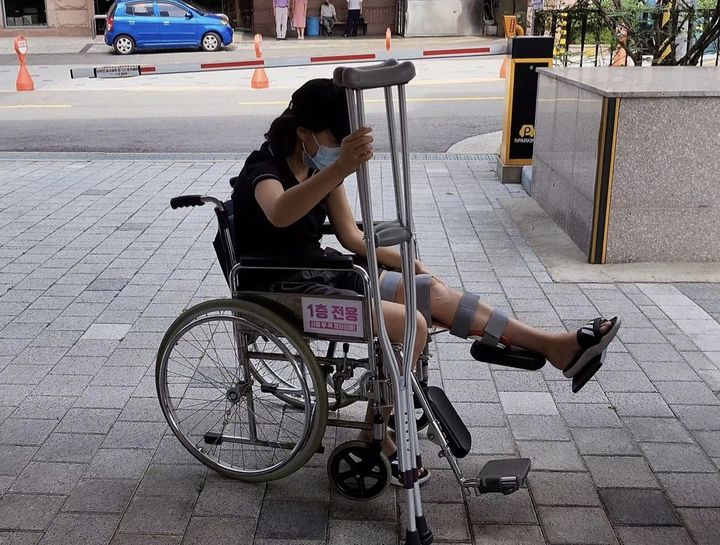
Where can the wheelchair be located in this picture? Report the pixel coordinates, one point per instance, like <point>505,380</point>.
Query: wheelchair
<point>249,384</point>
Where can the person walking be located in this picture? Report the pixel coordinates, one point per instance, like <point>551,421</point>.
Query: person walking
<point>353,17</point>
<point>328,17</point>
<point>299,15</point>
<point>280,10</point>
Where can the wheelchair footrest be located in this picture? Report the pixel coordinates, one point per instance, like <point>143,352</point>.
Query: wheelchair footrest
<point>503,476</point>
<point>510,357</point>
<point>456,433</point>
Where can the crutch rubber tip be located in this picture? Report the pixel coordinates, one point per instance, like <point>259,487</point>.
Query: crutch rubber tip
<point>412,538</point>
<point>426,536</point>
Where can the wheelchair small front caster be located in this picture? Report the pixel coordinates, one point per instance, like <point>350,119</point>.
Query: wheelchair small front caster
<point>359,470</point>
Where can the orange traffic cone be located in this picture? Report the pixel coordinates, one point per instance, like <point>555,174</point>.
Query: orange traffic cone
<point>388,39</point>
<point>24,81</point>
<point>503,68</point>
<point>259,79</point>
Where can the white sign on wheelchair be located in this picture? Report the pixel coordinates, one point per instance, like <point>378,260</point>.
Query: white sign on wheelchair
<point>336,317</point>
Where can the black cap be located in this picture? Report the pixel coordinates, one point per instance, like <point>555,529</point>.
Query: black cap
<point>320,104</point>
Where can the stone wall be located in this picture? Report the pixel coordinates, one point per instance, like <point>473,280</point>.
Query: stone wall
<point>64,18</point>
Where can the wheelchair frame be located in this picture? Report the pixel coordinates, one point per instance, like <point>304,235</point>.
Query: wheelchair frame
<point>389,378</point>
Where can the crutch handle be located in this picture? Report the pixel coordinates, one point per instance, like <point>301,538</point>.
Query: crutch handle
<point>385,74</point>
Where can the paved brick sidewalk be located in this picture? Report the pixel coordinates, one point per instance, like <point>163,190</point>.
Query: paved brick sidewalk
<point>94,265</point>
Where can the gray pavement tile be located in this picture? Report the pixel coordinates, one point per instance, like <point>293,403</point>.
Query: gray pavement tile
<point>464,370</point>
<point>294,520</point>
<point>605,441</point>
<point>662,535</point>
<point>62,385</point>
<point>171,451</point>
<point>104,397</point>
<point>654,352</point>
<point>69,447</point>
<point>447,521</point>
<point>230,498</point>
<point>94,421</point>
<point>516,508</point>
<point>118,376</point>
<point>157,515</point>
<point>28,512</point>
<point>638,507</point>
<point>551,455</point>
<point>88,529</point>
<point>668,370</point>
<point>492,440</point>
<point>5,482</point>
<point>576,525</point>
<point>698,417</point>
<point>43,407</point>
<point>620,472</point>
<point>591,393</point>
<point>381,508</point>
<point>639,404</point>
<point>132,357</point>
<point>144,435</point>
<point>78,365</point>
<point>640,335</point>
<point>538,428</point>
<point>625,381</point>
<point>504,534</point>
<point>528,403</point>
<point>681,457</point>
<point>589,415</point>
<point>687,393</point>
<point>20,538</point>
<point>519,381</point>
<point>219,530</point>
<point>471,390</point>
<point>92,347</point>
<point>25,431</point>
<point>481,414</point>
<point>353,532</point>
<point>47,478</point>
<point>142,409</point>
<point>709,441</point>
<point>692,489</point>
<point>144,539</point>
<point>14,458</point>
<point>556,488</point>
<point>703,524</point>
<point>24,374</point>
<point>172,480</point>
<point>295,486</point>
<point>698,360</point>
<point>654,430</point>
<point>100,495</point>
<point>119,463</point>
<point>444,487</point>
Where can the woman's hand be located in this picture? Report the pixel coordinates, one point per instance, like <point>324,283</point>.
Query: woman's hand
<point>355,149</point>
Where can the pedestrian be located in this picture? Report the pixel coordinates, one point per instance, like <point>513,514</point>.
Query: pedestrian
<point>328,17</point>
<point>280,10</point>
<point>299,14</point>
<point>353,17</point>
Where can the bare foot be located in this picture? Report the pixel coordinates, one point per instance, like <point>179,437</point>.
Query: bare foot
<point>564,350</point>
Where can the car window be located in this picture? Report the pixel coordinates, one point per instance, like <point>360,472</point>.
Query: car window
<point>111,11</point>
<point>139,8</point>
<point>171,10</point>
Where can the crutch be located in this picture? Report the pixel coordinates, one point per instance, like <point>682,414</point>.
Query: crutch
<point>399,231</point>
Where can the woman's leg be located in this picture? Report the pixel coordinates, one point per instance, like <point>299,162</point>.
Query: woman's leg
<point>558,348</point>
<point>394,314</point>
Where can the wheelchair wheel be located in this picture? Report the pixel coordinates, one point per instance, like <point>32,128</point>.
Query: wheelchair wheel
<point>206,378</point>
<point>359,470</point>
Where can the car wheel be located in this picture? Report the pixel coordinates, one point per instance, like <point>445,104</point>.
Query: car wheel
<point>124,45</point>
<point>210,42</point>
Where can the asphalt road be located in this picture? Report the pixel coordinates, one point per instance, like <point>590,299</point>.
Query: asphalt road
<point>219,112</point>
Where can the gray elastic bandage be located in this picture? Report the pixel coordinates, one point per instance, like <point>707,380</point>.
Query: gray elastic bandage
<point>389,285</point>
<point>494,328</point>
<point>464,315</point>
<point>422,295</point>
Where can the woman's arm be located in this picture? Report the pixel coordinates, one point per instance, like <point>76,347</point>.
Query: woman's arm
<point>283,208</point>
<point>347,232</point>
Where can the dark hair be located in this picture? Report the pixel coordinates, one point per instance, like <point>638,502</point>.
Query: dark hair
<point>318,105</point>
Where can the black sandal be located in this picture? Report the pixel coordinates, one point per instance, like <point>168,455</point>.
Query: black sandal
<point>423,476</point>
<point>592,348</point>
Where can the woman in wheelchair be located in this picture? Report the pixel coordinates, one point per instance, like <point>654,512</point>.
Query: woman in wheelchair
<point>288,188</point>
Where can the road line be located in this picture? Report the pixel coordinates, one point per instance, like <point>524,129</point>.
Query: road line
<point>380,101</point>
<point>18,106</point>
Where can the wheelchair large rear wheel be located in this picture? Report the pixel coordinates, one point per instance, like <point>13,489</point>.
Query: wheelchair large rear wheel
<point>206,377</point>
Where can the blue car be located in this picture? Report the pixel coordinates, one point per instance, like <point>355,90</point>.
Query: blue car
<point>139,24</point>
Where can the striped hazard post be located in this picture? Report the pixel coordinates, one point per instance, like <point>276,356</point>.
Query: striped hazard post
<point>561,47</point>
<point>133,70</point>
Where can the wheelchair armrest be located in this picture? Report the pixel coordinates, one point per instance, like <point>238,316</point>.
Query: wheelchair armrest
<point>330,263</point>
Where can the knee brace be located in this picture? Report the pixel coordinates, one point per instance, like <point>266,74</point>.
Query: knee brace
<point>391,281</point>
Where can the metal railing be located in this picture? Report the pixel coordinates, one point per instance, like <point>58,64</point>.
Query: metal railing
<point>590,37</point>
<point>94,25</point>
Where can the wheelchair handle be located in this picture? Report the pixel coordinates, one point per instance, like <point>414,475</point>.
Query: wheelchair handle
<point>194,200</point>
